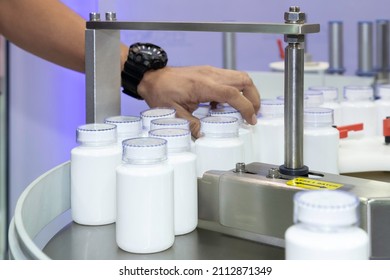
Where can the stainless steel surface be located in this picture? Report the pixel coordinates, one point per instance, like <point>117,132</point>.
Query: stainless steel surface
<point>273,173</point>
<point>261,208</point>
<point>242,27</point>
<point>103,78</point>
<point>365,49</point>
<point>240,167</point>
<point>73,241</point>
<point>293,98</point>
<point>229,50</point>
<point>111,16</point>
<point>76,242</point>
<point>382,62</point>
<point>336,48</point>
<point>41,203</point>
<point>94,16</point>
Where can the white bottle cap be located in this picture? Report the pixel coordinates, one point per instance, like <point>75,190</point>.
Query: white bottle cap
<point>156,113</point>
<point>326,208</point>
<point>219,126</point>
<point>384,91</point>
<point>271,108</point>
<point>169,123</point>
<point>330,93</point>
<point>316,116</point>
<point>202,110</point>
<point>144,150</point>
<point>126,125</point>
<point>96,134</point>
<point>226,111</point>
<point>358,93</point>
<point>178,139</point>
<point>305,98</point>
<point>315,98</point>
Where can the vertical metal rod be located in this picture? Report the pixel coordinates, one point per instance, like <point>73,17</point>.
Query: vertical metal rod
<point>293,107</point>
<point>293,98</point>
<point>102,70</point>
<point>382,51</point>
<point>365,49</point>
<point>336,48</point>
<point>229,50</point>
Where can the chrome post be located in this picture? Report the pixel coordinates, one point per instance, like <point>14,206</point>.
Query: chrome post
<point>293,98</point>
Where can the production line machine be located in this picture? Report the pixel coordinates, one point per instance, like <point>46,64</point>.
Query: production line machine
<point>254,201</point>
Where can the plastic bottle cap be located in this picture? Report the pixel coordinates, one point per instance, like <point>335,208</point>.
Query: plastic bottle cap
<point>358,93</point>
<point>128,125</point>
<point>330,93</point>
<point>96,134</point>
<point>219,126</point>
<point>326,208</point>
<point>271,108</point>
<point>202,110</point>
<point>156,113</point>
<point>169,123</point>
<point>144,150</point>
<point>384,91</point>
<point>226,112</point>
<point>315,98</point>
<point>178,140</point>
<point>317,116</point>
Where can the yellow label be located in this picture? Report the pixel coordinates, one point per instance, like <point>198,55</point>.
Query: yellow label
<point>312,184</point>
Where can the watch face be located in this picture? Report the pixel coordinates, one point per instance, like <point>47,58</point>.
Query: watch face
<point>149,55</point>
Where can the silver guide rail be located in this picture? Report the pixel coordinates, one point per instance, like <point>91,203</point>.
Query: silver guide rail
<point>271,28</point>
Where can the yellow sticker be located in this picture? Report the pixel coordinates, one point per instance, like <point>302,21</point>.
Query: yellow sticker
<point>312,184</point>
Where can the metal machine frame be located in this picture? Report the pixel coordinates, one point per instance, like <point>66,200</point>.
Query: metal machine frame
<point>252,202</point>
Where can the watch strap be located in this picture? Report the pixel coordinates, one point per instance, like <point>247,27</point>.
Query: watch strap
<point>132,75</point>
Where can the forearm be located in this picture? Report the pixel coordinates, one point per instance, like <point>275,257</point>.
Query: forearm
<point>48,29</point>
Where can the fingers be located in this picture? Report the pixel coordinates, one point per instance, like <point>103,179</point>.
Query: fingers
<point>230,86</point>
<point>232,96</point>
<point>194,122</point>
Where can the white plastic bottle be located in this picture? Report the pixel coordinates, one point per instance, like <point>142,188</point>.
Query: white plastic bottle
<point>326,227</point>
<point>358,107</point>
<point>313,98</point>
<point>155,113</point>
<point>382,106</point>
<point>185,183</point>
<point>127,127</point>
<point>244,130</point>
<point>202,110</point>
<point>219,147</point>
<point>172,123</point>
<point>320,140</point>
<point>331,100</point>
<point>93,181</point>
<point>145,197</point>
<point>268,133</point>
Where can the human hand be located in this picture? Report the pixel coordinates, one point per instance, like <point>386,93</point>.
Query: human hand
<point>183,88</point>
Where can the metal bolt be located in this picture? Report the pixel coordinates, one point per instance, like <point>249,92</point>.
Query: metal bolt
<point>273,173</point>
<point>240,167</point>
<point>111,16</point>
<point>94,16</point>
<point>294,15</point>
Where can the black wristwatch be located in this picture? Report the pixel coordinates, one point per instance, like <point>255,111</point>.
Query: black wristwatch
<point>142,57</point>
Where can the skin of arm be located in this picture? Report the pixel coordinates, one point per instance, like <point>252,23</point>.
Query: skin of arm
<point>54,32</point>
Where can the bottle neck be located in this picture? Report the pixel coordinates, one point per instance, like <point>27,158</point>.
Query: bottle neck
<point>327,228</point>
<point>151,161</point>
<point>220,135</point>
